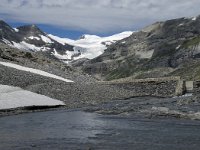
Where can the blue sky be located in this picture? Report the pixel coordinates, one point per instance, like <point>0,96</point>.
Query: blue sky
<point>72,18</point>
<point>55,30</point>
<point>61,31</point>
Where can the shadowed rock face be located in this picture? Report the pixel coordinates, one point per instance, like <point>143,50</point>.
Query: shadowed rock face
<point>162,49</point>
<point>6,32</point>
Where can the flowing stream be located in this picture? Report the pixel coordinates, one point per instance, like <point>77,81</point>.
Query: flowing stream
<point>80,130</point>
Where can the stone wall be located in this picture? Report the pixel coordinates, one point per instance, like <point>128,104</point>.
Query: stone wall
<point>161,87</point>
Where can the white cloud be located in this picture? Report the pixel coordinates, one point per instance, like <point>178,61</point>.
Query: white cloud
<point>97,15</point>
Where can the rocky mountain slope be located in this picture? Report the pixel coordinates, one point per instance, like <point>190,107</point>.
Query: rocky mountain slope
<point>41,62</point>
<point>30,38</point>
<point>161,49</point>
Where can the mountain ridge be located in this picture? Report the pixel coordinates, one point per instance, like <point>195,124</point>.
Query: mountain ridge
<point>162,49</point>
<point>32,38</point>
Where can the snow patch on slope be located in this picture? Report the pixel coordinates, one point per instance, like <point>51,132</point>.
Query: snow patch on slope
<point>46,39</point>
<point>14,97</point>
<point>67,56</point>
<point>178,47</point>
<point>16,30</point>
<point>35,71</point>
<point>25,46</point>
<point>181,24</point>
<point>6,41</point>
<point>60,40</point>
<point>91,46</point>
<point>194,18</point>
<point>32,38</point>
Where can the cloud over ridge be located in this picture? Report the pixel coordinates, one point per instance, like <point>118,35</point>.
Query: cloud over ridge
<point>97,15</point>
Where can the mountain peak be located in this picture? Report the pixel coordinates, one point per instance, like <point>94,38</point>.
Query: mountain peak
<point>4,25</point>
<point>32,27</point>
<point>30,30</point>
<point>2,22</point>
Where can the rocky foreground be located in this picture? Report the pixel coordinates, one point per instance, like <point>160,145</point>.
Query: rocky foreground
<point>97,97</point>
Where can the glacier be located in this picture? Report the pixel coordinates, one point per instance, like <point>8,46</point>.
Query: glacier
<point>90,46</point>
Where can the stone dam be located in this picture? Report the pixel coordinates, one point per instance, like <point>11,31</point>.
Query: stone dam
<point>159,87</point>
<point>85,93</point>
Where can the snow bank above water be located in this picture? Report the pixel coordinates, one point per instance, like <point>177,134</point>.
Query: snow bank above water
<point>14,97</point>
<point>35,71</point>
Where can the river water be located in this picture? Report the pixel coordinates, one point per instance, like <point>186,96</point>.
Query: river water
<point>76,130</point>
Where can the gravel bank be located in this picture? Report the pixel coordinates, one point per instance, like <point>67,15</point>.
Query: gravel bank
<point>151,107</point>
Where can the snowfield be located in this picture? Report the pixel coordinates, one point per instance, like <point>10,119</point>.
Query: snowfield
<point>90,46</point>
<point>14,97</point>
<point>35,71</point>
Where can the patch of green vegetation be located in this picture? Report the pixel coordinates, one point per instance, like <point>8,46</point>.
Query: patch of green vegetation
<point>193,42</point>
<point>189,71</point>
<point>127,70</point>
<point>119,73</point>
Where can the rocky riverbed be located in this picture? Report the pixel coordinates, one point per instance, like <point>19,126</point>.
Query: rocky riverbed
<point>151,107</point>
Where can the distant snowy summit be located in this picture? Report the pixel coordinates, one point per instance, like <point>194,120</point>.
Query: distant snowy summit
<point>31,38</point>
<point>88,46</point>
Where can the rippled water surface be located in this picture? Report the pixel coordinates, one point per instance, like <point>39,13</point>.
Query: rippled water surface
<point>80,130</point>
